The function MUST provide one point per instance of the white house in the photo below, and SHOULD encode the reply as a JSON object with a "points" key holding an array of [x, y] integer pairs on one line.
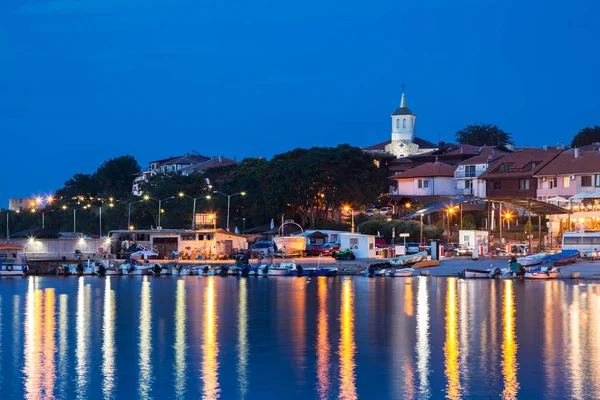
{"points": [[429, 179], [363, 246], [195, 243], [467, 174]]}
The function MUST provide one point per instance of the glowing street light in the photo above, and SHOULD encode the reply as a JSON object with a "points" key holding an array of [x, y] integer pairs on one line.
{"points": [[182, 195], [229, 196], [349, 209], [213, 217], [160, 210]]}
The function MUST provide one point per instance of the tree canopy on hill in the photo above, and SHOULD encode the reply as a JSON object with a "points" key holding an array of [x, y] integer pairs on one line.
{"points": [[586, 136], [483, 135]]}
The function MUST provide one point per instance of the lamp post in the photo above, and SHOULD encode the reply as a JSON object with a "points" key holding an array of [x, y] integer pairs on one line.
{"points": [[146, 197], [74, 216], [421, 228], [181, 194], [450, 212], [229, 196], [348, 209], [214, 219]]}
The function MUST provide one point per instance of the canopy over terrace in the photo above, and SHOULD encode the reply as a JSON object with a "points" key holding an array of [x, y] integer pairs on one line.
{"points": [[533, 206]]}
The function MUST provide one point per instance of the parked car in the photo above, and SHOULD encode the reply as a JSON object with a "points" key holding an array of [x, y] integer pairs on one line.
{"points": [[459, 249], [262, 247], [315, 250], [386, 210], [412, 248], [334, 246], [371, 211]]}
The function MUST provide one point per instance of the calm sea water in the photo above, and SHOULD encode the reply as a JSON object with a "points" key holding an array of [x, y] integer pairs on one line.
{"points": [[274, 338]]}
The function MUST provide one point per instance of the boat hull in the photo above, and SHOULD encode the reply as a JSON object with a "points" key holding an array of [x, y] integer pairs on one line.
{"points": [[470, 273], [534, 259], [12, 270], [273, 271], [401, 272]]}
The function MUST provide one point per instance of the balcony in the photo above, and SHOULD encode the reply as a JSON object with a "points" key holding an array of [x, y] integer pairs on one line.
{"points": [[465, 174]]}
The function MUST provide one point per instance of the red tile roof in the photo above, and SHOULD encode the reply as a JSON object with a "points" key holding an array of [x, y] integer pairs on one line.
{"points": [[519, 163], [427, 170], [588, 162], [482, 159], [380, 146], [215, 162]]}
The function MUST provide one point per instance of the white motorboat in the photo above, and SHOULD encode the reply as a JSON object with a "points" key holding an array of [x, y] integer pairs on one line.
{"points": [[471, 273], [11, 260], [408, 259], [542, 272], [533, 259], [283, 269], [400, 272], [76, 269]]}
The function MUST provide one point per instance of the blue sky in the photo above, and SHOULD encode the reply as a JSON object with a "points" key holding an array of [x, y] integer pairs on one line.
{"points": [[82, 81]]}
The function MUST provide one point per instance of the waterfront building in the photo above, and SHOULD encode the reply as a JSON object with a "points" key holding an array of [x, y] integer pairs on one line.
{"points": [[572, 180], [194, 244], [427, 182], [513, 174], [468, 172]]}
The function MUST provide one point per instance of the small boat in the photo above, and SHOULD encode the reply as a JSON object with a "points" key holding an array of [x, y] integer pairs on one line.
{"points": [[76, 269], [12, 261], [283, 269], [533, 259], [326, 271], [475, 273], [564, 257], [542, 272], [408, 259], [140, 269], [400, 272], [426, 263], [103, 268]]}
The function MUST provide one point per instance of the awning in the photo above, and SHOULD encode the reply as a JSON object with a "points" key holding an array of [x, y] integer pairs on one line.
{"points": [[585, 195], [535, 206]]}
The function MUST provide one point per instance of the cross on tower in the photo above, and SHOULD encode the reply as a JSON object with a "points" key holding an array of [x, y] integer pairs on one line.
{"points": [[403, 86]]}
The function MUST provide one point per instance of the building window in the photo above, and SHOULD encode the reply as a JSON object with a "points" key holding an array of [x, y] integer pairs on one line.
{"points": [[469, 184], [586, 180], [470, 171], [597, 180], [404, 124], [523, 184], [553, 182], [188, 237], [423, 183], [397, 124], [566, 182], [497, 185]]}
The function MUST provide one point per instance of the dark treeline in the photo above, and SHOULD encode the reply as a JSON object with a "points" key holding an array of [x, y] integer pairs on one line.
{"points": [[308, 185]]}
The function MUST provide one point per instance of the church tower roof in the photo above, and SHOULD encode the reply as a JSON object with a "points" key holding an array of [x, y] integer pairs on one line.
{"points": [[403, 109]]}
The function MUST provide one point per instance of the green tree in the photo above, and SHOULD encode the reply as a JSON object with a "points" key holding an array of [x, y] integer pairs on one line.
{"points": [[115, 176], [468, 222], [483, 135], [586, 136]]}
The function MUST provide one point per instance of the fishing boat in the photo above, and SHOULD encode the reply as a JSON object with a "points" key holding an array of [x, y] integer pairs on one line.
{"points": [[471, 273], [533, 259], [80, 269], [326, 271], [542, 272], [140, 269], [400, 272], [283, 269], [564, 257], [408, 259], [12, 262]]}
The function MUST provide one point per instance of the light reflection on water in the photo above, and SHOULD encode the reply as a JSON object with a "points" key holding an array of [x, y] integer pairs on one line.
{"points": [[347, 345], [349, 337], [323, 348], [423, 350], [242, 369], [145, 341], [509, 345], [108, 346], [180, 346], [210, 363], [451, 350]]}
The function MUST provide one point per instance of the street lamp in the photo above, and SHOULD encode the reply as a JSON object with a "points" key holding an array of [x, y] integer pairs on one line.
{"points": [[181, 194], [421, 228], [74, 215], [229, 196], [450, 212], [214, 219], [146, 197], [348, 209]]}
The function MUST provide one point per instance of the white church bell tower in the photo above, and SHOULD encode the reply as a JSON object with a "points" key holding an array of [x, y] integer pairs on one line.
{"points": [[403, 131]]}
